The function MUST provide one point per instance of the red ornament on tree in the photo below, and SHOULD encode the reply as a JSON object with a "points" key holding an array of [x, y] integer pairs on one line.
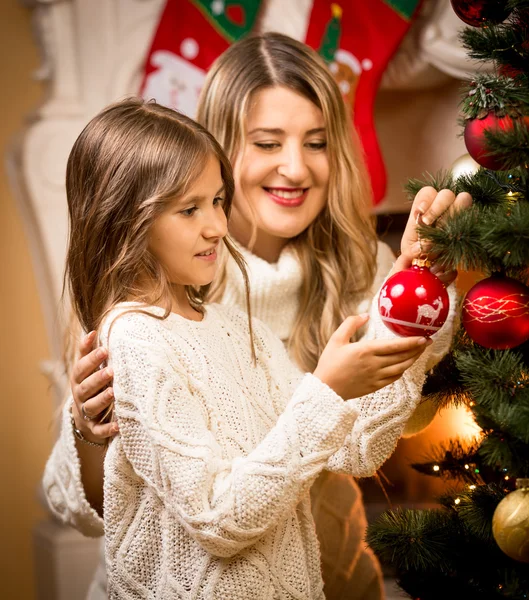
{"points": [[496, 313], [477, 12], [476, 142], [414, 302]]}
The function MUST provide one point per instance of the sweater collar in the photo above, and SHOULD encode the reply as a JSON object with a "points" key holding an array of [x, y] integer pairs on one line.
{"points": [[274, 288]]}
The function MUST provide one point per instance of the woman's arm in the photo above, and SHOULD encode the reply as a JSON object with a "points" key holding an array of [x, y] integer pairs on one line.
{"points": [[63, 483], [73, 479]]}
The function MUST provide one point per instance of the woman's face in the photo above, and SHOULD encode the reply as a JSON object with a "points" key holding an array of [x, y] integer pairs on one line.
{"points": [[282, 173]]}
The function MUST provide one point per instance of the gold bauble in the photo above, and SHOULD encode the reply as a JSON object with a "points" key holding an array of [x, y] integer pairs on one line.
{"points": [[510, 523], [464, 165]]}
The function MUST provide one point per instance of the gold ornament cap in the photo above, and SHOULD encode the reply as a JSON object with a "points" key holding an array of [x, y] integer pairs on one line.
{"points": [[422, 261], [522, 483]]}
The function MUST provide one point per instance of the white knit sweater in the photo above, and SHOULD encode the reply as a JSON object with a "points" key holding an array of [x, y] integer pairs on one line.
{"points": [[179, 495], [62, 480]]}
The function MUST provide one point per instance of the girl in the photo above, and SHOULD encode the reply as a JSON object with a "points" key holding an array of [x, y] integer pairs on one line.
{"points": [[221, 436], [301, 203]]}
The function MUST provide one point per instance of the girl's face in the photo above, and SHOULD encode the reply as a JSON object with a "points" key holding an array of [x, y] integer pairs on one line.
{"points": [[282, 173], [185, 237]]}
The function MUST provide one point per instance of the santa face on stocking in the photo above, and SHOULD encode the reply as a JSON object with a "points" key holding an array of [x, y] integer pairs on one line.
{"points": [[176, 83]]}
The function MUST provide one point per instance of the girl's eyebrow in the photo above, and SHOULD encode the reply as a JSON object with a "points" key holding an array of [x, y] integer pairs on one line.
{"points": [[197, 198], [277, 131]]}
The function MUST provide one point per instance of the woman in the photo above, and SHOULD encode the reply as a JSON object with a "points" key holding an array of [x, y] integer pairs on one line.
{"points": [[301, 219]]}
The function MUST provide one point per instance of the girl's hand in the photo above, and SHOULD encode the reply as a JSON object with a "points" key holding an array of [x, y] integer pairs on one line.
{"points": [[428, 207], [90, 392], [354, 369]]}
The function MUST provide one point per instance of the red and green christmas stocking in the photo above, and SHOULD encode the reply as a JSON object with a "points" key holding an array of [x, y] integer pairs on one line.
{"points": [[191, 34], [357, 40]]}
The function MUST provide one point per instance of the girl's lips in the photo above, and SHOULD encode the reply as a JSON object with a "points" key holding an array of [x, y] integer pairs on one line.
{"points": [[209, 257], [288, 202]]}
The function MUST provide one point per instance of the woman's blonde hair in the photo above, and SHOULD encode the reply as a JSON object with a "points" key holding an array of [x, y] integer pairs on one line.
{"points": [[338, 250], [128, 163]]}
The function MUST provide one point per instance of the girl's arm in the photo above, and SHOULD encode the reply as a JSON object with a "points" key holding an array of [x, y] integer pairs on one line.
{"points": [[225, 504], [384, 416]]}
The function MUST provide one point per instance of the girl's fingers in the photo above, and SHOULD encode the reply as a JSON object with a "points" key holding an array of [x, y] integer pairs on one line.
{"points": [[97, 404], [398, 345], [397, 370], [86, 365], [400, 357], [348, 328], [92, 385]]}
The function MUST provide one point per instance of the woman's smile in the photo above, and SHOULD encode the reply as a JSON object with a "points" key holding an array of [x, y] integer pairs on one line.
{"points": [[289, 197]]}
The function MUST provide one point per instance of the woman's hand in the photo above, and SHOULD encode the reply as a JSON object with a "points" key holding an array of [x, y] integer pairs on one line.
{"points": [[354, 369], [91, 392], [428, 207]]}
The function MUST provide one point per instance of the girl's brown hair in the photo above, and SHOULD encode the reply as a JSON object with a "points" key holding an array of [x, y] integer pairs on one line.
{"points": [[338, 250], [127, 164]]}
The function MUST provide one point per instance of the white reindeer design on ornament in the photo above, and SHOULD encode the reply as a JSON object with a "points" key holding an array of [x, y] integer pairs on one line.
{"points": [[385, 303], [429, 312]]}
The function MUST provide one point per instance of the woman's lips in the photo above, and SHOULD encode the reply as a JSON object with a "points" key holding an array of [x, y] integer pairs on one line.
{"points": [[292, 198]]}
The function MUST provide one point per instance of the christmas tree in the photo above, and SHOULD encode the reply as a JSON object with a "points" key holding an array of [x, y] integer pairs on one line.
{"points": [[476, 545]]}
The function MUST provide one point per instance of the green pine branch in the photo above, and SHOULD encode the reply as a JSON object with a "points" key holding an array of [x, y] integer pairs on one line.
{"points": [[453, 460], [487, 188], [503, 95], [443, 385], [476, 508], [414, 539], [458, 243], [512, 145], [503, 43], [450, 552], [504, 453], [494, 378]]}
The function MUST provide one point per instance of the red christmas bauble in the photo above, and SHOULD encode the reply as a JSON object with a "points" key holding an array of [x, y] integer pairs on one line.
{"points": [[477, 12], [476, 142], [496, 313], [413, 302]]}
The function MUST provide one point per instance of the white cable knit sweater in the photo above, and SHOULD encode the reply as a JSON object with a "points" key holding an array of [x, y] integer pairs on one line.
{"points": [[182, 515]]}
